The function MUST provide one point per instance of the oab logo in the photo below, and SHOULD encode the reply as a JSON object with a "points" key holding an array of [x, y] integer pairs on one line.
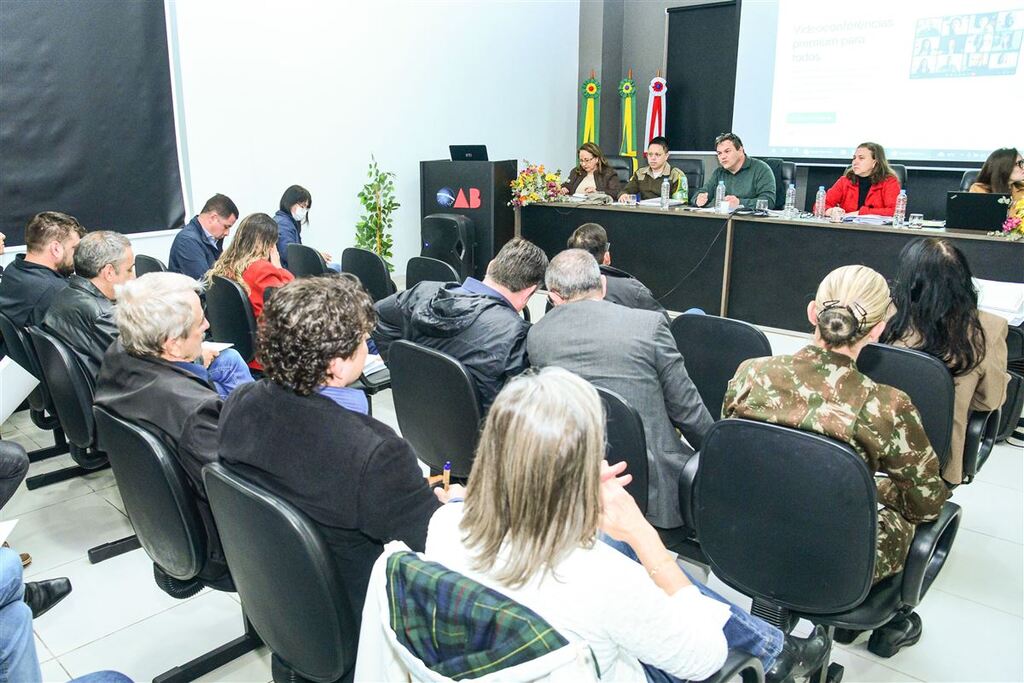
{"points": [[465, 199]]}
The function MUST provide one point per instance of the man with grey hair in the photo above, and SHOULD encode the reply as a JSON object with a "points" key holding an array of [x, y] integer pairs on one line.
{"points": [[631, 352], [82, 314]]}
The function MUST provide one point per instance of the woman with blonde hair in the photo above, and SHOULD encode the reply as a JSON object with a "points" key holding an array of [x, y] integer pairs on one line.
{"points": [[820, 389], [538, 500]]}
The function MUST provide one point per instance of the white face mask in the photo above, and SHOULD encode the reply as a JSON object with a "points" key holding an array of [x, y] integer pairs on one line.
{"points": [[299, 214]]}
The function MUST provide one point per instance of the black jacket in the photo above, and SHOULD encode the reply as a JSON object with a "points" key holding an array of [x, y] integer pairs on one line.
{"points": [[178, 408], [605, 179], [27, 289], [358, 480], [83, 318], [626, 290], [485, 333]]}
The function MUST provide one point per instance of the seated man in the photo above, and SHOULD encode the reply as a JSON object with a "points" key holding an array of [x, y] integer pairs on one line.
{"points": [[30, 283], [82, 314], [295, 434], [151, 378], [746, 179], [620, 287], [646, 182], [200, 242], [632, 353], [478, 323]]}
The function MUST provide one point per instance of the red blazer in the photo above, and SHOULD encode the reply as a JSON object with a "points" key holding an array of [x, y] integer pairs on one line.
{"points": [[260, 275], [881, 199]]}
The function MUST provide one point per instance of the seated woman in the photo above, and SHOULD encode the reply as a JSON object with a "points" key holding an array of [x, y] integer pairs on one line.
{"points": [[869, 186], [1003, 173], [293, 211], [252, 260], [538, 499], [937, 312], [820, 389], [593, 174], [296, 433]]}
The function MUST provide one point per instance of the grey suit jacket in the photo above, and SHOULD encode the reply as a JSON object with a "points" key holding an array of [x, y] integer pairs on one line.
{"points": [[632, 353]]}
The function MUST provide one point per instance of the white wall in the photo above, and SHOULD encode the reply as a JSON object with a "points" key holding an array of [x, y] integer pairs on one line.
{"points": [[276, 93]]}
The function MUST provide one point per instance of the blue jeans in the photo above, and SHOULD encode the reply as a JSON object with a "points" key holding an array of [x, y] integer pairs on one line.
{"points": [[18, 661], [228, 371], [743, 631]]}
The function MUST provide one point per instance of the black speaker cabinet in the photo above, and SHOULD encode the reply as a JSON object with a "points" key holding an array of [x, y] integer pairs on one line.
{"points": [[450, 237]]}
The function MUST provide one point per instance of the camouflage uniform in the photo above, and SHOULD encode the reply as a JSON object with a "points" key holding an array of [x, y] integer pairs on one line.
{"points": [[822, 391]]}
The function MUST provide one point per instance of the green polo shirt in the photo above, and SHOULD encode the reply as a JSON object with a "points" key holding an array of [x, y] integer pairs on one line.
{"points": [[753, 181]]}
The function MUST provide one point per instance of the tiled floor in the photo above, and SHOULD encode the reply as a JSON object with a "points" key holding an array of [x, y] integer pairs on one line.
{"points": [[117, 618]]}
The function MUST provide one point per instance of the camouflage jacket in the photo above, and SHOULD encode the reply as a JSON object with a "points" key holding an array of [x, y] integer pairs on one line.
{"points": [[822, 391]]}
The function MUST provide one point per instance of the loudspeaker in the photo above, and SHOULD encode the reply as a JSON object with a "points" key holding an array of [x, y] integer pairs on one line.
{"points": [[450, 237]]}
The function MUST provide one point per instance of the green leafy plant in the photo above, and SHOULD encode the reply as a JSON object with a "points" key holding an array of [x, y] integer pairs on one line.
{"points": [[373, 231]]}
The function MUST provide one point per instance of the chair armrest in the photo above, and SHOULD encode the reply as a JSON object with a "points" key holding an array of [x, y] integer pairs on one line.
{"points": [[747, 667], [982, 428], [687, 483], [928, 552]]}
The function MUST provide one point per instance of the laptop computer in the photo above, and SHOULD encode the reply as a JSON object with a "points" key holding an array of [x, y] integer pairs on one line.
{"points": [[976, 210], [468, 152]]}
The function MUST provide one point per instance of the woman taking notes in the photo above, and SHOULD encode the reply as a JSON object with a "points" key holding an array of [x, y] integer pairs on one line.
{"points": [[868, 187], [593, 174]]}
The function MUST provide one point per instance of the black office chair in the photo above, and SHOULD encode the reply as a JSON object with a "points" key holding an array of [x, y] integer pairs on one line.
{"points": [[371, 271], [625, 440], [72, 390], [788, 178], [713, 349], [40, 403], [901, 174], [437, 406], [287, 580], [147, 264], [789, 518], [305, 261], [162, 508], [775, 164], [694, 171], [426, 269], [623, 167], [968, 179], [231, 317]]}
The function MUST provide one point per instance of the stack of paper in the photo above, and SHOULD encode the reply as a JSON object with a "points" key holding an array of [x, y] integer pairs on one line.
{"points": [[1005, 299], [656, 201]]}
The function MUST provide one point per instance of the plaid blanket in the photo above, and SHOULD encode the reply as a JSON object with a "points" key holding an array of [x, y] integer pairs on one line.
{"points": [[457, 627]]}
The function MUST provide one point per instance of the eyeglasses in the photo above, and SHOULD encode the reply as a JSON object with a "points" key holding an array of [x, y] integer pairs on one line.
{"points": [[1019, 164]]}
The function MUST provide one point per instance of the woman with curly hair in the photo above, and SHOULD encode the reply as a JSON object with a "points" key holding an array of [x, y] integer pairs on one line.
{"points": [[294, 434]]}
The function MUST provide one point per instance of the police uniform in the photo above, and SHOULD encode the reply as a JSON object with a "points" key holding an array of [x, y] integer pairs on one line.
{"points": [[822, 391]]}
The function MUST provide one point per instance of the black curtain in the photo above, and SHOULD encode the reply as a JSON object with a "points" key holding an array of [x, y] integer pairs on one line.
{"points": [[86, 116], [701, 73]]}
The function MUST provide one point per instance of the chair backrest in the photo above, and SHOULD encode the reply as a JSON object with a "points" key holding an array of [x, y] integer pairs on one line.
{"points": [[305, 261], [969, 178], [786, 515], [775, 164], [147, 264], [20, 349], [436, 404], [231, 317], [371, 271], [713, 349], [925, 379], [625, 439], [623, 167], [901, 174], [286, 577], [788, 178], [426, 269], [694, 170], [70, 387], [156, 495]]}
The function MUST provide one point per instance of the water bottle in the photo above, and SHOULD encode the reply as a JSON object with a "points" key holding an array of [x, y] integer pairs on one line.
{"points": [[683, 191], [720, 197], [819, 202], [789, 211], [900, 213], [666, 189]]}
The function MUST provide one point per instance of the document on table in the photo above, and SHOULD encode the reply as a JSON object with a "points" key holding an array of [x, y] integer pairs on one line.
{"points": [[16, 383], [656, 201], [1005, 299]]}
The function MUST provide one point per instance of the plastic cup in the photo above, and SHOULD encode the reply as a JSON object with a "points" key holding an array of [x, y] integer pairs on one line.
{"points": [[837, 215], [916, 220], [761, 205]]}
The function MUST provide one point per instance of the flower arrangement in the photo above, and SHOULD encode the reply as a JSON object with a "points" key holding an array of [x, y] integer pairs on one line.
{"points": [[534, 184], [1013, 226]]}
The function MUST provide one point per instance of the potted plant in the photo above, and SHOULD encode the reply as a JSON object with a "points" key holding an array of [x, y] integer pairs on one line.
{"points": [[373, 231]]}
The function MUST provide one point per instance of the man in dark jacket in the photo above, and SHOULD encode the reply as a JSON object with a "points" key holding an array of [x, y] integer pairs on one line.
{"points": [[477, 323], [201, 241], [82, 314], [621, 287]]}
